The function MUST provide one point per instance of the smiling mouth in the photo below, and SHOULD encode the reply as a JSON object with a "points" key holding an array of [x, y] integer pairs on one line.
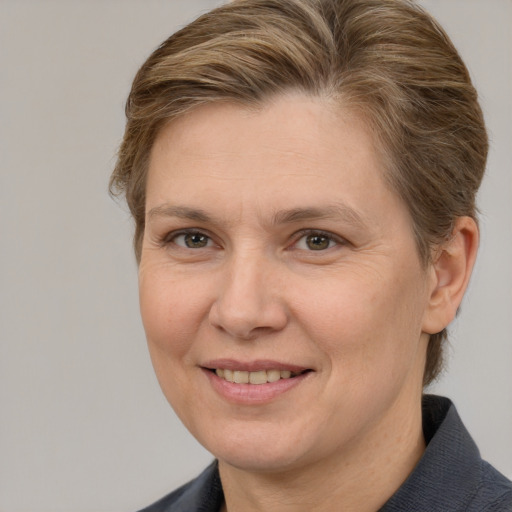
{"points": [[257, 377]]}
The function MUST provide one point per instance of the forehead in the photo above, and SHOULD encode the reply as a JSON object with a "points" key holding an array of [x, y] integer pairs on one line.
{"points": [[292, 151], [300, 131]]}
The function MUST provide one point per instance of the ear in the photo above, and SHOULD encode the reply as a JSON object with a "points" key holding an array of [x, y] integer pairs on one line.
{"points": [[450, 273]]}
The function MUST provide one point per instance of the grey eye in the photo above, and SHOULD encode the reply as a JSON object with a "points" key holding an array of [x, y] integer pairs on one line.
{"points": [[192, 240], [315, 242]]}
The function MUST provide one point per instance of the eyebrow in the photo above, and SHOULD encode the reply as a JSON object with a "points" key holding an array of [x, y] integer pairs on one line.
{"points": [[182, 212], [341, 212]]}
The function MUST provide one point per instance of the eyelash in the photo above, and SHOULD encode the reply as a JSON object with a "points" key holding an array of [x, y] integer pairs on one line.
{"points": [[296, 238]]}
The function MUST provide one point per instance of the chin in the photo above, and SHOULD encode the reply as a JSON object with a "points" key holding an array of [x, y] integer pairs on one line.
{"points": [[260, 448], [260, 461]]}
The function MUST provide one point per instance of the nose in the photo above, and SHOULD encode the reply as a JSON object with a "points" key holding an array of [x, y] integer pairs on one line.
{"points": [[248, 303]]}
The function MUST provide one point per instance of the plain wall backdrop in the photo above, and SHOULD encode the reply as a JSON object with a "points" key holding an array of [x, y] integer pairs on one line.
{"points": [[83, 424]]}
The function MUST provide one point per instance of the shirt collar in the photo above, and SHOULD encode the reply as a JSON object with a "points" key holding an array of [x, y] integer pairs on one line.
{"points": [[448, 472]]}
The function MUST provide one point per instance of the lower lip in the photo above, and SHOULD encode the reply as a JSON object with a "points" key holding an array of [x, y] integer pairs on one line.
{"points": [[253, 393]]}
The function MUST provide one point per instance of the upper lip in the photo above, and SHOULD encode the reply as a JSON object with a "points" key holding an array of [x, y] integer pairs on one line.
{"points": [[252, 366]]}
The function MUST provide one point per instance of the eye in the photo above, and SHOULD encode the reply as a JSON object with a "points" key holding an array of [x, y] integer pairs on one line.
{"points": [[192, 240], [316, 241]]}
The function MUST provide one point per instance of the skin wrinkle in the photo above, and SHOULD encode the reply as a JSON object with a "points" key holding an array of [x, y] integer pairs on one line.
{"points": [[352, 313], [336, 212]]}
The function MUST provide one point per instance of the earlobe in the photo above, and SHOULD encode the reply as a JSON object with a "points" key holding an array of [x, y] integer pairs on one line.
{"points": [[450, 274]]}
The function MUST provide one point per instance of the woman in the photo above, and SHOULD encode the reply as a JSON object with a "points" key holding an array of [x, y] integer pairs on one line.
{"points": [[302, 175]]}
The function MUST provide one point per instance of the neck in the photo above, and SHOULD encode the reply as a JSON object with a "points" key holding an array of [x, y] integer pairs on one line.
{"points": [[358, 478]]}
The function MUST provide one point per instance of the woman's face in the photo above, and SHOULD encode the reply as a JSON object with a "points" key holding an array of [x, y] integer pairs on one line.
{"points": [[275, 252]]}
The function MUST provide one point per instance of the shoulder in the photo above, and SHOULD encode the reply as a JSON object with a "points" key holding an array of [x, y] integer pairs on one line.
{"points": [[494, 492], [476, 485], [451, 475], [204, 494]]}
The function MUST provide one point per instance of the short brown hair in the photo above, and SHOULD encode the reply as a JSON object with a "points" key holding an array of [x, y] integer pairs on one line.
{"points": [[388, 59]]}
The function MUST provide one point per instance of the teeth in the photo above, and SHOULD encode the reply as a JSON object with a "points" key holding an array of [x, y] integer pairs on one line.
{"points": [[273, 375], [241, 377], [259, 377]]}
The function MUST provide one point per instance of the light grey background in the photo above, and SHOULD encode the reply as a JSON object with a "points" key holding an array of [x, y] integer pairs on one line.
{"points": [[83, 424]]}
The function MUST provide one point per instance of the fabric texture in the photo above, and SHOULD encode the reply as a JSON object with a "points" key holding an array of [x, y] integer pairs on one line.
{"points": [[450, 477]]}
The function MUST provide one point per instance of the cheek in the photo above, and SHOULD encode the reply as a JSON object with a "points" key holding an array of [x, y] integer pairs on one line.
{"points": [[171, 311], [367, 326], [171, 315]]}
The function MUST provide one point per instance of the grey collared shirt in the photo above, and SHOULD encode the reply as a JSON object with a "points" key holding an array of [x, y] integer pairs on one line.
{"points": [[450, 477]]}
